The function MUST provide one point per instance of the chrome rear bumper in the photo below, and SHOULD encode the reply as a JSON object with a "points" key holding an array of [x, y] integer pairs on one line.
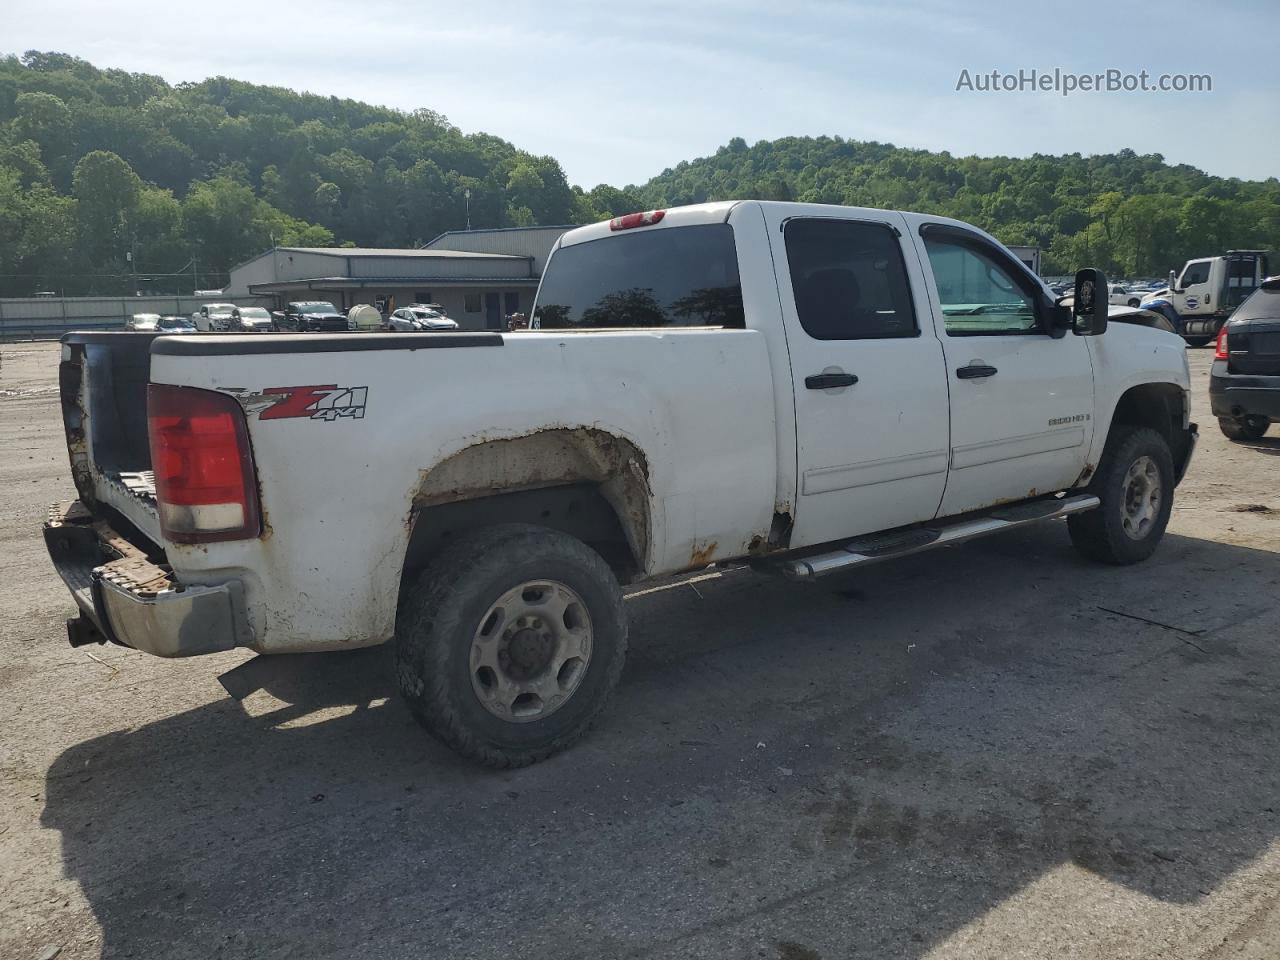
{"points": [[128, 599]]}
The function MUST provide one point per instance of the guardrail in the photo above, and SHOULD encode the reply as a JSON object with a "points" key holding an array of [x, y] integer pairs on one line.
{"points": [[48, 318], [17, 331]]}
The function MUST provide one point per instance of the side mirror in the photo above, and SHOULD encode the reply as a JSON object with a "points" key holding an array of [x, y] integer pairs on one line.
{"points": [[1173, 282], [1089, 311]]}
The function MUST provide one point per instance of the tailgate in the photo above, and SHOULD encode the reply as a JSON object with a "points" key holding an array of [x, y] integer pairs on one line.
{"points": [[1254, 347], [103, 385]]}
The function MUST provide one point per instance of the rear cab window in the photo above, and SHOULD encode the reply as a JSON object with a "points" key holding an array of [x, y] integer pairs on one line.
{"points": [[671, 277]]}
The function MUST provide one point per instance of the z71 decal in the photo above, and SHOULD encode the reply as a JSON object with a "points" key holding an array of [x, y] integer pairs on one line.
{"points": [[327, 402]]}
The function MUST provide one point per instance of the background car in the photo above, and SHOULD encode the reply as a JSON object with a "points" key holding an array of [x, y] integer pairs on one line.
{"points": [[213, 316], [420, 318], [176, 325], [302, 316], [250, 320], [142, 321], [1120, 297]]}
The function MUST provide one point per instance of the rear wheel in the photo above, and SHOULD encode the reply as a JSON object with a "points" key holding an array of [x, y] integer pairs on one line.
{"points": [[511, 642], [1243, 428], [1135, 484], [1198, 341]]}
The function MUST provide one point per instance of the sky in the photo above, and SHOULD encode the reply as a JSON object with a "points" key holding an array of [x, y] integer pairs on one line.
{"points": [[617, 92]]}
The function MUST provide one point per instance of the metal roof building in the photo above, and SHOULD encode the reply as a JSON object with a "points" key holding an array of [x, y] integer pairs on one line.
{"points": [[478, 276]]}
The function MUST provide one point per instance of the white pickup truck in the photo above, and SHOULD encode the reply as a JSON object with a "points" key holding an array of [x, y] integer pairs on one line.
{"points": [[806, 388]]}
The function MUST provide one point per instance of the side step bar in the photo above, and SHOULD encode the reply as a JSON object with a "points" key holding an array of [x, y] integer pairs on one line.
{"points": [[900, 544]]}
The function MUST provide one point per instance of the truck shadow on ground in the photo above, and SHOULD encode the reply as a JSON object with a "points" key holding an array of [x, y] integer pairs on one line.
{"points": [[1267, 445], [857, 767]]}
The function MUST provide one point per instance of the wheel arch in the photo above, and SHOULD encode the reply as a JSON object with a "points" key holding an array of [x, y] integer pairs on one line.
{"points": [[586, 482], [1160, 406]]}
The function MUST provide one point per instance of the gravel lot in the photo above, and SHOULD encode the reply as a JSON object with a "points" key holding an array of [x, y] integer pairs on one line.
{"points": [[996, 750]]}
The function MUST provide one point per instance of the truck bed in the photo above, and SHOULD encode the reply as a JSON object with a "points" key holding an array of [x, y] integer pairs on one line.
{"points": [[378, 428]]}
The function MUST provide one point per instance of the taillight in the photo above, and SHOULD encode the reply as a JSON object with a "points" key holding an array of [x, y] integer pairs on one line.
{"points": [[1220, 350], [203, 464], [646, 219]]}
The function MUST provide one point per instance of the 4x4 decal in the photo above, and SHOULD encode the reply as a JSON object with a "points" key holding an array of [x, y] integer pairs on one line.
{"points": [[327, 402]]}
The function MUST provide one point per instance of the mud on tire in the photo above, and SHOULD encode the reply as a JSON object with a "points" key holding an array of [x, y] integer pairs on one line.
{"points": [[451, 622], [1129, 525]]}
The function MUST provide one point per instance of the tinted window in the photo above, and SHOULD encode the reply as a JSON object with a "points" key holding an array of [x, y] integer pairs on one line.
{"points": [[674, 277], [1263, 304], [849, 280], [980, 295]]}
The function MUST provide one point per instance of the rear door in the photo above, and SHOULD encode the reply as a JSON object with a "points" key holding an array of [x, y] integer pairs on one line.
{"points": [[868, 373], [1021, 399]]}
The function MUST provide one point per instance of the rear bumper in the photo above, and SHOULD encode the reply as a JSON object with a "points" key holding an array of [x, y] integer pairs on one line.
{"points": [[1239, 395], [125, 598]]}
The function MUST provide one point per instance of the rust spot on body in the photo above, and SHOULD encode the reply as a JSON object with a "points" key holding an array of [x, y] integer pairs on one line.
{"points": [[701, 556]]}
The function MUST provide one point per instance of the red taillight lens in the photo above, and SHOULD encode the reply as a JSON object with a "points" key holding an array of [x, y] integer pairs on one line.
{"points": [[200, 453], [1220, 350], [646, 219]]}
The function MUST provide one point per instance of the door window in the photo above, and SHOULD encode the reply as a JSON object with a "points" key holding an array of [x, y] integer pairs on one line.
{"points": [[1195, 273], [849, 280], [980, 295]]}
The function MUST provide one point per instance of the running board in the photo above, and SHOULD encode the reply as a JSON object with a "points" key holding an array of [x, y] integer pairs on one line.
{"points": [[887, 546]]}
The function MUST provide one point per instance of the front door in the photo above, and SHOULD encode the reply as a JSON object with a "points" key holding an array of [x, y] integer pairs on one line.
{"points": [[1021, 400], [1196, 296], [492, 311], [867, 369]]}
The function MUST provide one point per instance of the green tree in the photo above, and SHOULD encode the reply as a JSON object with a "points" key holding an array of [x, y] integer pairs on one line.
{"points": [[107, 193]]}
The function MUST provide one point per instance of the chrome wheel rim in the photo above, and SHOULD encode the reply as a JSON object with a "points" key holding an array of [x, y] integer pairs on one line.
{"points": [[530, 651], [1142, 496]]}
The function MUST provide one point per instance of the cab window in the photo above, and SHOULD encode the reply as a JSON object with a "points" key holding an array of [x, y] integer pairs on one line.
{"points": [[665, 277], [980, 295]]}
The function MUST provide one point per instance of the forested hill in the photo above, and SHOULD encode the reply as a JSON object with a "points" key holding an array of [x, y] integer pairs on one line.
{"points": [[97, 164], [1133, 215], [94, 163]]}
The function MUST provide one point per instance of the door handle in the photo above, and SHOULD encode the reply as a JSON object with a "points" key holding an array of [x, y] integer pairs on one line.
{"points": [[975, 371], [825, 381]]}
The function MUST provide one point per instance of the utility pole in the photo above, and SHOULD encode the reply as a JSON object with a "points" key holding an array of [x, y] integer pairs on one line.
{"points": [[467, 194]]}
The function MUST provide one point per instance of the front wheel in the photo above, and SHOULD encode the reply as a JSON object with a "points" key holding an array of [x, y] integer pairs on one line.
{"points": [[1245, 428], [1135, 302], [509, 645], [1135, 484]]}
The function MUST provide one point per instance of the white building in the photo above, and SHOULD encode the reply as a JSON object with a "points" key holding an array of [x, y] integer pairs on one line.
{"points": [[478, 276]]}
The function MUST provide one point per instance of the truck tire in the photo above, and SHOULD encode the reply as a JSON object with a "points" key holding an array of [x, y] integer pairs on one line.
{"points": [[1135, 484], [1245, 428], [1135, 302], [510, 643], [1198, 341]]}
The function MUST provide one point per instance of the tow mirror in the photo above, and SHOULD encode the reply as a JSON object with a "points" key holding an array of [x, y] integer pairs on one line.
{"points": [[1173, 282], [1089, 311]]}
